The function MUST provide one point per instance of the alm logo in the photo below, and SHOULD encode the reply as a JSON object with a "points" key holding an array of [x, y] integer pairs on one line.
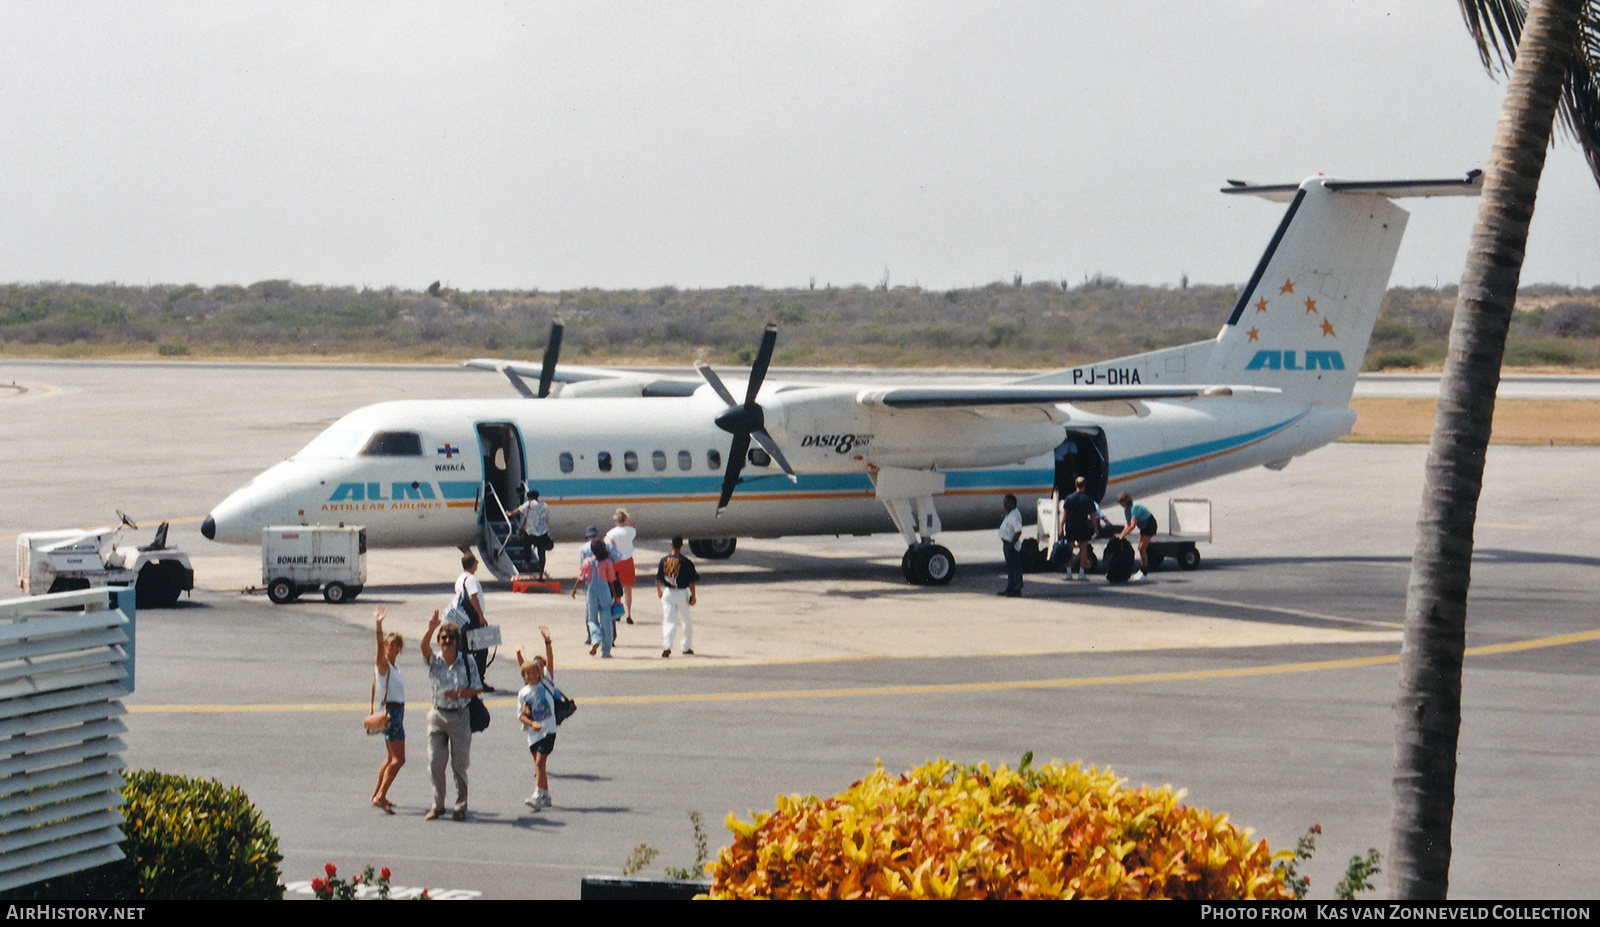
{"points": [[1287, 360]]}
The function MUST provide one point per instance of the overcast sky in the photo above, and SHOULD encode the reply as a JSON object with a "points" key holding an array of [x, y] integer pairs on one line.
{"points": [[704, 144]]}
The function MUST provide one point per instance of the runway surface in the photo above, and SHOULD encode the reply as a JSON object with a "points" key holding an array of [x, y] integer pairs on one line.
{"points": [[1261, 682]]}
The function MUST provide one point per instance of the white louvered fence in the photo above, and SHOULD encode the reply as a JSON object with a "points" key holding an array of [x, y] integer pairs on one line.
{"points": [[63, 675]]}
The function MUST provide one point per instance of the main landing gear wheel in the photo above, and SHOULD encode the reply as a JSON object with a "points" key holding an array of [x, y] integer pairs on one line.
{"points": [[713, 548], [930, 565]]}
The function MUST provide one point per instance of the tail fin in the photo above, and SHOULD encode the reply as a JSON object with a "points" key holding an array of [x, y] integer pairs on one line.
{"points": [[1303, 322]]}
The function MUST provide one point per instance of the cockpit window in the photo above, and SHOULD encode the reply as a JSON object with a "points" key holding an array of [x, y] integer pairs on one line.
{"points": [[335, 443], [393, 444]]}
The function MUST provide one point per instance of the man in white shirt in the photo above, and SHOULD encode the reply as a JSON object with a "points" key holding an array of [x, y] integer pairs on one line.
{"points": [[1011, 546], [533, 529], [468, 602], [620, 540]]}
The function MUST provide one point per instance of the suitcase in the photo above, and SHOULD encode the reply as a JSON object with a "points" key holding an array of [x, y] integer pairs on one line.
{"points": [[1120, 560]]}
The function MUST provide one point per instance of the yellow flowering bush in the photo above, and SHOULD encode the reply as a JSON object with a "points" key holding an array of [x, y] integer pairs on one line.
{"points": [[948, 831]]}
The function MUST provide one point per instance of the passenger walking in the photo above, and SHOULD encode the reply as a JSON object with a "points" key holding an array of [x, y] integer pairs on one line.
{"points": [[1011, 546], [594, 568], [532, 521], [620, 540], [537, 712], [466, 611], [455, 682], [1135, 515], [388, 684], [675, 587]]}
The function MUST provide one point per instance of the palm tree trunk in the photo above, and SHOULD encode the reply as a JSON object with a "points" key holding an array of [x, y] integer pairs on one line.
{"points": [[1429, 703]]}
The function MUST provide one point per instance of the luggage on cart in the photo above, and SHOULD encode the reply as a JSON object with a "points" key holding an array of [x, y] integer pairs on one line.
{"points": [[1120, 560]]}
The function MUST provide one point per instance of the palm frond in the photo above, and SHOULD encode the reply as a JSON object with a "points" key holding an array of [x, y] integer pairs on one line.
{"points": [[1580, 103], [1496, 27]]}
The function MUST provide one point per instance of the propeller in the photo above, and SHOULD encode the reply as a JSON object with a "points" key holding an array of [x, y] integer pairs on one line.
{"points": [[745, 421], [552, 351], [547, 372]]}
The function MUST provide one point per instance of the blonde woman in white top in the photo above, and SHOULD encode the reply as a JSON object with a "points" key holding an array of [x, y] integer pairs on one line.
{"points": [[388, 685]]}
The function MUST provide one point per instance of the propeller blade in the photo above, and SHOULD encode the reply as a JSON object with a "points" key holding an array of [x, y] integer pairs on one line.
{"points": [[552, 351], [716, 383], [771, 447], [758, 370], [730, 478]]}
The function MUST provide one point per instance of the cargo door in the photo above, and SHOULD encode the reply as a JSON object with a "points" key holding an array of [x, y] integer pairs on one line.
{"points": [[1082, 454]]}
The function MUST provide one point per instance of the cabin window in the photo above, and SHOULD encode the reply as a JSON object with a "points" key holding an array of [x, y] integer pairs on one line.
{"points": [[393, 444], [630, 462], [714, 460], [759, 458], [658, 459], [565, 460], [604, 460], [685, 460]]}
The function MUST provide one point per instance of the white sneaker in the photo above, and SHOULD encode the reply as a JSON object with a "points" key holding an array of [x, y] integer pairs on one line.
{"points": [[544, 800], [1138, 577], [1074, 576], [532, 801]]}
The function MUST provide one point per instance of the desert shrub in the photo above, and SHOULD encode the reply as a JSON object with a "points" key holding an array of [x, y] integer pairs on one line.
{"points": [[1389, 360], [949, 831]]}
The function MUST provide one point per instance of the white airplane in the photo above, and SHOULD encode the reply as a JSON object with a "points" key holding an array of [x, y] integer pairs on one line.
{"points": [[1275, 383]]}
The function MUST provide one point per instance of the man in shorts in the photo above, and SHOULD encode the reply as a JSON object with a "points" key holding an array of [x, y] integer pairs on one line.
{"points": [[1080, 520]]}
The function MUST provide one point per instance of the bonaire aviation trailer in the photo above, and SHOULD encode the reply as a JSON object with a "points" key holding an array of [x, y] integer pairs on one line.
{"points": [[296, 559]]}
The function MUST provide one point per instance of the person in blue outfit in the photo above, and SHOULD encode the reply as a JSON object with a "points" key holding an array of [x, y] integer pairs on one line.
{"points": [[594, 568], [1137, 516]]}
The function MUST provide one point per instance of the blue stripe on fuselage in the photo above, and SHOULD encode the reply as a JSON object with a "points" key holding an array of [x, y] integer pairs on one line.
{"points": [[1177, 457]]}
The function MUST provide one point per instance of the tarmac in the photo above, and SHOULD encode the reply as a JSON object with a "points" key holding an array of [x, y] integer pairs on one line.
{"points": [[1262, 682]]}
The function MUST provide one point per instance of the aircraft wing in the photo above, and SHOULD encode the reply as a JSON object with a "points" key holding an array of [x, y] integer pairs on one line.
{"points": [[628, 383], [957, 397]]}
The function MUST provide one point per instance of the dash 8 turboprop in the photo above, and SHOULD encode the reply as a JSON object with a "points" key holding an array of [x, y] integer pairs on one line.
{"points": [[807, 459]]}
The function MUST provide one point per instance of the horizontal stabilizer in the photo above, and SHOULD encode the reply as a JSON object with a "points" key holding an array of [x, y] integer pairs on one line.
{"points": [[1394, 189]]}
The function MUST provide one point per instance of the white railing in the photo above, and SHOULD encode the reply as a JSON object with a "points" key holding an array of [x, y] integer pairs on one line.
{"points": [[63, 674]]}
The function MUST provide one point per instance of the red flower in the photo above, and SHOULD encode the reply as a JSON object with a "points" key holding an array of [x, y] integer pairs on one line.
{"points": [[330, 870], [384, 875], [318, 885]]}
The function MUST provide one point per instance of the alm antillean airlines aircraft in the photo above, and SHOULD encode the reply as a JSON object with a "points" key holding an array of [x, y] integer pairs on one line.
{"points": [[807, 459]]}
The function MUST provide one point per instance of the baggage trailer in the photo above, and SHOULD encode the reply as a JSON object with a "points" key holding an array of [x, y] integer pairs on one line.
{"points": [[1188, 522], [297, 559]]}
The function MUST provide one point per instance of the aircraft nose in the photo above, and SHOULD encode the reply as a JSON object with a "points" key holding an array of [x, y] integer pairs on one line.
{"points": [[208, 528]]}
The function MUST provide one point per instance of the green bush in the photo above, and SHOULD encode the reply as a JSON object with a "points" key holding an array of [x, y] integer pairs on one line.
{"points": [[184, 840]]}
